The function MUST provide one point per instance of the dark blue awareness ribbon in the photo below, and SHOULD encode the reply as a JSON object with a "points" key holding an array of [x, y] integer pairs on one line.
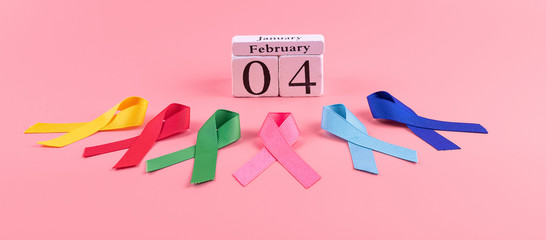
{"points": [[385, 106]]}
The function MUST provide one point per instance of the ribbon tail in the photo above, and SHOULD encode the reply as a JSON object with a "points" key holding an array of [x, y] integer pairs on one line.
{"points": [[386, 148], [206, 152], [254, 167], [143, 143], [135, 154], [109, 147], [299, 169], [363, 158], [204, 169], [170, 159], [433, 138], [53, 127], [428, 123]]}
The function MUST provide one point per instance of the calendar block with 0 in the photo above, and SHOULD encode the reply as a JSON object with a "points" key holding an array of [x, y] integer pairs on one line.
{"points": [[254, 76]]}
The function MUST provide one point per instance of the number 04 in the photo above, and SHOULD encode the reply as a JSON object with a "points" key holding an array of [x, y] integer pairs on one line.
{"points": [[267, 78]]}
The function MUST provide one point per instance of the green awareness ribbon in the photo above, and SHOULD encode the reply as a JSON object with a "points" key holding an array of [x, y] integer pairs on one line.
{"points": [[220, 130]]}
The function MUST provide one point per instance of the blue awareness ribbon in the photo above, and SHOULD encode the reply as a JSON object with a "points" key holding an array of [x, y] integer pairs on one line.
{"points": [[338, 120], [385, 106]]}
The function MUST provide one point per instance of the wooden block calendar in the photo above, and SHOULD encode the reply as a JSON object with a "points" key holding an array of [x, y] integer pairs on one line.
{"points": [[277, 65]]}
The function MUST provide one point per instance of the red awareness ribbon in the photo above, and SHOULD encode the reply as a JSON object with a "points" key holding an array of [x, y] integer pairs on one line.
{"points": [[174, 119], [279, 131]]}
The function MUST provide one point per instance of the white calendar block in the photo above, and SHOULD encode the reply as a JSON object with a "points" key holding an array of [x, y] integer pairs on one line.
{"points": [[300, 75], [255, 76], [277, 65], [278, 45]]}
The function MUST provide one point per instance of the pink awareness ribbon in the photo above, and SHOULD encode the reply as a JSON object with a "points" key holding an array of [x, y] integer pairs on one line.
{"points": [[279, 131]]}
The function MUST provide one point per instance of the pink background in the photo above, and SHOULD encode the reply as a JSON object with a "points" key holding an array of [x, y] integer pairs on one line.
{"points": [[472, 61]]}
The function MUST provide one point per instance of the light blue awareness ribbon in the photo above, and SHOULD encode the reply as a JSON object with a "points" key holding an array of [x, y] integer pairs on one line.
{"points": [[338, 120]]}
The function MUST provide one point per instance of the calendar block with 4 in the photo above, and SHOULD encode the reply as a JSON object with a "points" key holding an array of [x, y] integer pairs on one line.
{"points": [[298, 70], [300, 75]]}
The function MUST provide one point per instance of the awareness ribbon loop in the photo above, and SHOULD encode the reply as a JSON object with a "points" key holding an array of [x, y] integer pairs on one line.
{"points": [[338, 120], [279, 131], [128, 113], [174, 119], [385, 106], [220, 130]]}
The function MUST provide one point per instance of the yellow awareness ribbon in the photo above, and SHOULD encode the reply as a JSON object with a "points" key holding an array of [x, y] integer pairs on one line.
{"points": [[128, 113]]}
